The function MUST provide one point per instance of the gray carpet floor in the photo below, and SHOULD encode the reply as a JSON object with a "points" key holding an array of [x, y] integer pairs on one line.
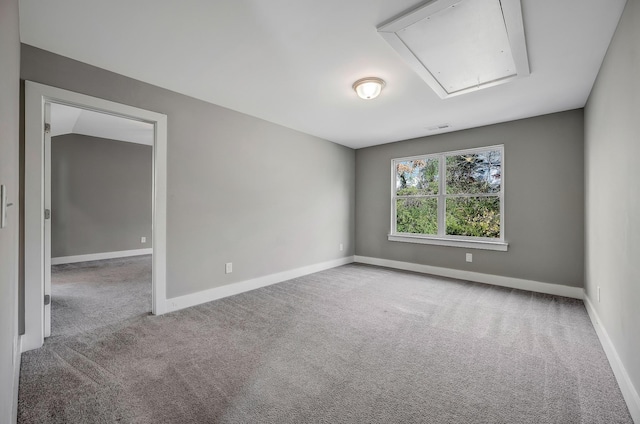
{"points": [[90, 295], [354, 344]]}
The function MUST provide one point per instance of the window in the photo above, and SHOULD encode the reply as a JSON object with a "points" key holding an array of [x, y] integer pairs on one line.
{"points": [[451, 199]]}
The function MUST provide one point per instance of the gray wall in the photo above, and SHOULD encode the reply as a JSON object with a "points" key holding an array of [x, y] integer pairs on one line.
{"points": [[101, 195], [9, 96], [544, 215], [612, 149], [240, 189]]}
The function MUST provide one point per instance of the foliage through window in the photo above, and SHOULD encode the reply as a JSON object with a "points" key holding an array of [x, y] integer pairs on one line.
{"points": [[455, 195]]}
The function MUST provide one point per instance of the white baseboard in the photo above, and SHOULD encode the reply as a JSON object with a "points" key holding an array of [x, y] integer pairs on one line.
{"points": [[629, 392], [496, 280], [205, 296], [17, 357], [100, 256]]}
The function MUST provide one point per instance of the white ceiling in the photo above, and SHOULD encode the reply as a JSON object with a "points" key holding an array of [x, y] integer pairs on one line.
{"points": [[293, 62], [73, 120]]}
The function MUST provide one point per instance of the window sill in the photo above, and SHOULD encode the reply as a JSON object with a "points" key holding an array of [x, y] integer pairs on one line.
{"points": [[438, 241]]}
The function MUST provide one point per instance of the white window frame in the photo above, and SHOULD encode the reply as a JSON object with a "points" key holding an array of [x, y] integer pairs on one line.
{"points": [[442, 239]]}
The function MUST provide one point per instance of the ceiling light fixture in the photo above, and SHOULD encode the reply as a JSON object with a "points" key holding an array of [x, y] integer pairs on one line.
{"points": [[368, 88]]}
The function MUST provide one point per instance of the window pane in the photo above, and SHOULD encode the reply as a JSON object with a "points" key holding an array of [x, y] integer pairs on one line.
{"points": [[473, 216], [479, 172], [416, 177], [417, 216]]}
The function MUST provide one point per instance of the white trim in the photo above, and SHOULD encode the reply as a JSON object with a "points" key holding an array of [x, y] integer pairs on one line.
{"points": [[47, 222], [452, 153], [467, 244], [159, 240], [216, 293], [17, 359], [100, 256], [496, 280], [512, 14], [443, 239], [629, 392], [33, 219], [36, 96]]}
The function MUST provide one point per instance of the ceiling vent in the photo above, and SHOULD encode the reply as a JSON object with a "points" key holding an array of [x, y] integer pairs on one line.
{"points": [[460, 46], [439, 127]]}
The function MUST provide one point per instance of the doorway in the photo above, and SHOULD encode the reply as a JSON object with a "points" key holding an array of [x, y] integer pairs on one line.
{"points": [[101, 208], [39, 100]]}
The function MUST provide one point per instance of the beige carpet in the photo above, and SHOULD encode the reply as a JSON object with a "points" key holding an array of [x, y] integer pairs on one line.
{"points": [[355, 344]]}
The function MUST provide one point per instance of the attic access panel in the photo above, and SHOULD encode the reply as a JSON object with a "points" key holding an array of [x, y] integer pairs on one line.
{"points": [[459, 46]]}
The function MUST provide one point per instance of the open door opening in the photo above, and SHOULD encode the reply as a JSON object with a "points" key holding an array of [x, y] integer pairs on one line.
{"points": [[98, 219], [40, 102]]}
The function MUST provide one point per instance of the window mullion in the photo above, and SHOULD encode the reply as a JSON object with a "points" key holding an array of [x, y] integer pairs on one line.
{"points": [[496, 194], [394, 211], [441, 196]]}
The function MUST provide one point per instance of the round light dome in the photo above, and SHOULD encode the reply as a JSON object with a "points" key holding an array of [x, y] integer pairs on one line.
{"points": [[368, 88]]}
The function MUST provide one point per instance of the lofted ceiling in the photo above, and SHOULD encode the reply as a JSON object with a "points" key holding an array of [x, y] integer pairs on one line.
{"points": [[292, 62], [72, 120]]}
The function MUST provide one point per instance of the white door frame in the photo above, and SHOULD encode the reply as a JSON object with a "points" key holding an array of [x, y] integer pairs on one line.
{"points": [[36, 96]]}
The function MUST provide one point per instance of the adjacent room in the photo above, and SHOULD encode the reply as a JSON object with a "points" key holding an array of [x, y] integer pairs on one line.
{"points": [[101, 176], [389, 211]]}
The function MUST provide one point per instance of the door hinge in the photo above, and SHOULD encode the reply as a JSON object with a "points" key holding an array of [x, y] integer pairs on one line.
{"points": [[47, 299], [47, 128], [47, 213]]}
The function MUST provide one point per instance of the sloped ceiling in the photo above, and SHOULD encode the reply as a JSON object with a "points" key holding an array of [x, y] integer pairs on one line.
{"points": [[72, 120]]}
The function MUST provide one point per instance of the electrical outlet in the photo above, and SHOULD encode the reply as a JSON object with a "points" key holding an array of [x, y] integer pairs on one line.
{"points": [[228, 268], [341, 247], [143, 239], [469, 257], [598, 293]]}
